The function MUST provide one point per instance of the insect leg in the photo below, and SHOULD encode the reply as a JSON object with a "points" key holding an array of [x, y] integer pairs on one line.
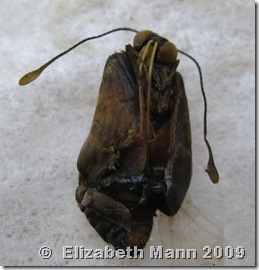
{"points": [[110, 218]]}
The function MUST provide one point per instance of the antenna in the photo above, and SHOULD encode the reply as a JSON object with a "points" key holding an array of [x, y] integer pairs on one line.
{"points": [[211, 167], [31, 76]]}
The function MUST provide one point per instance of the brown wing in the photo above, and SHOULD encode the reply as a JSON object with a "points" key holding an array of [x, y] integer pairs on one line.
{"points": [[172, 150], [116, 144]]}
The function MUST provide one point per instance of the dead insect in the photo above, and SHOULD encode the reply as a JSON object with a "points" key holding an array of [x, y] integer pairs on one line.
{"points": [[137, 157]]}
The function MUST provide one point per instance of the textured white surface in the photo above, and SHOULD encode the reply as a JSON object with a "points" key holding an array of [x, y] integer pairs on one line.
{"points": [[44, 125]]}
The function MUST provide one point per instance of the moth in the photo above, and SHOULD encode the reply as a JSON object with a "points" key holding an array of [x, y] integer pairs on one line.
{"points": [[137, 158]]}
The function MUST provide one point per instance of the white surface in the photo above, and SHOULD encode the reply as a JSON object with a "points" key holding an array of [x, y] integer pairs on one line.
{"points": [[44, 125]]}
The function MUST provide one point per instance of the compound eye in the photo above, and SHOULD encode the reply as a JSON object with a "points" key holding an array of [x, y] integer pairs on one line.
{"points": [[167, 53], [140, 38]]}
